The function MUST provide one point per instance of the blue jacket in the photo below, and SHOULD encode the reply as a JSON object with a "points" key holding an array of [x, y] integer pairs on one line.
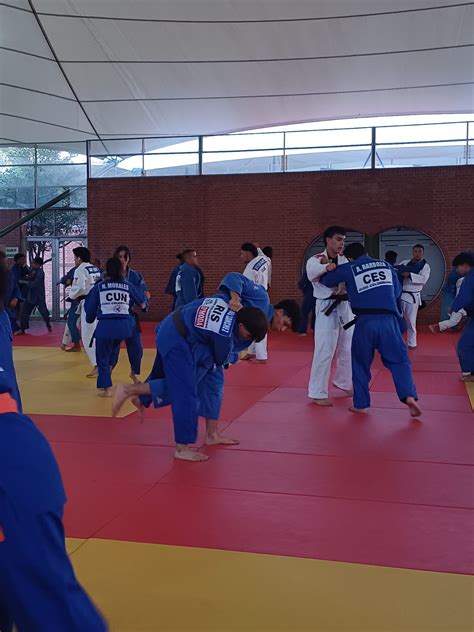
{"points": [[8, 375], [188, 285], [210, 323], [171, 285], [371, 284], [36, 289], [449, 288], [251, 294], [111, 302], [135, 278], [465, 298], [21, 273], [13, 289]]}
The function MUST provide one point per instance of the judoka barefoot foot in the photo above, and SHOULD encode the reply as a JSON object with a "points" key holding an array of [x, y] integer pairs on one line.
{"points": [[218, 439], [122, 393], [359, 411], [415, 410], [185, 453], [467, 378], [322, 402], [347, 391], [93, 373], [134, 378], [140, 408], [105, 392], [253, 360], [433, 328], [74, 349]]}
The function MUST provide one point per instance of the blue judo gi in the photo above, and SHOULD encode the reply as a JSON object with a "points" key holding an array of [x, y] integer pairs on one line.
{"points": [[111, 303], [251, 295], [38, 589], [188, 285], [171, 285], [465, 300], [13, 292], [373, 289], [6, 356], [193, 344], [134, 344]]}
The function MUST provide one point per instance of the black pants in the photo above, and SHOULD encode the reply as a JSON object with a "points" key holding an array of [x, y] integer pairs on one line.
{"points": [[26, 310]]}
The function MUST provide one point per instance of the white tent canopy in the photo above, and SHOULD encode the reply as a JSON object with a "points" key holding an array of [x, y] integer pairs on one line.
{"points": [[103, 69]]}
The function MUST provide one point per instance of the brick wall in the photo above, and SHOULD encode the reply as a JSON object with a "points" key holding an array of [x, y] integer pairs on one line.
{"points": [[7, 217], [157, 217]]}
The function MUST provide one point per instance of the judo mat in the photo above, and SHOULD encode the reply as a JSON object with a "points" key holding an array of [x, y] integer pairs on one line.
{"points": [[319, 520]]}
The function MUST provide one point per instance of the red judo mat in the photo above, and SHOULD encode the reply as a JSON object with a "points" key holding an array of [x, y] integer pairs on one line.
{"points": [[304, 481]]}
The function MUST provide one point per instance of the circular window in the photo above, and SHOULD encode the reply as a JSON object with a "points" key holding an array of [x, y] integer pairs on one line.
{"points": [[402, 240]]}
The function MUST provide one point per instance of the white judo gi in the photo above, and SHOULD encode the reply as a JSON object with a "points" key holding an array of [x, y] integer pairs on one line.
{"points": [[85, 277], [411, 299], [330, 338], [257, 271], [455, 317]]}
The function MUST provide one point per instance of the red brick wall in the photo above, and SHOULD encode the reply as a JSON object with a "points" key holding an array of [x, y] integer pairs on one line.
{"points": [[7, 217], [157, 217]]}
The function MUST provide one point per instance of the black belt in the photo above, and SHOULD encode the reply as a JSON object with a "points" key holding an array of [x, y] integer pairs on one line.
{"points": [[368, 311], [178, 323], [412, 294], [336, 300]]}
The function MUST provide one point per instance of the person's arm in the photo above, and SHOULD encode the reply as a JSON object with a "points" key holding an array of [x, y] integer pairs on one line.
{"points": [[221, 348], [78, 287], [36, 280], [397, 286], [315, 269], [333, 278], [91, 304], [234, 283], [422, 277], [138, 297], [465, 296]]}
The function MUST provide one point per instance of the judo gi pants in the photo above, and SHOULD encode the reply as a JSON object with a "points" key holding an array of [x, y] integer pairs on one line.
{"points": [[27, 309], [466, 348], [259, 349], [87, 335], [330, 339], [381, 333], [135, 351], [187, 380], [71, 332], [410, 313]]}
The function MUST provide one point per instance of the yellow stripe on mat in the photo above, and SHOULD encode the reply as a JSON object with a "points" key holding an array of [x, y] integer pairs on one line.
{"points": [[156, 588]]}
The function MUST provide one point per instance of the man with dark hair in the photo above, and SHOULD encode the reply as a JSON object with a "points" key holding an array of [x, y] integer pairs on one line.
{"points": [[256, 269], [36, 297], [391, 257], [373, 290], [238, 291], [38, 587], [86, 276], [332, 311], [415, 273], [463, 264], [189, 279], [193, 344]]}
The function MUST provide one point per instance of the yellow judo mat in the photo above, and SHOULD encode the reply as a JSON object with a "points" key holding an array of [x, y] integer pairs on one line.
{"points": [[156, 588], [53, 382]]}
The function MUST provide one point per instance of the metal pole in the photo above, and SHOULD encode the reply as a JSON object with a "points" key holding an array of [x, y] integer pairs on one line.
{"points": [[467, 142], [143, 157], [200, 149], [32, 214], [374, 145]]}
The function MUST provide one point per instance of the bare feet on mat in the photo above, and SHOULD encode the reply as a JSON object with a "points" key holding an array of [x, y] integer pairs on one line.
{"points": [[467, 378], [218, 439], [185, 453], [433, 328], [253, 360], [415, 410], [347, 391], [120, 397], [104, 392], [93, 373], [322, 402], [359, 411], [134, 378], [74, 349]]}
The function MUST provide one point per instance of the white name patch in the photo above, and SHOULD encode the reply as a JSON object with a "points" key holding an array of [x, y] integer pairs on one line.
{"points": [[214, 315], [370, 276], [115, 302]]}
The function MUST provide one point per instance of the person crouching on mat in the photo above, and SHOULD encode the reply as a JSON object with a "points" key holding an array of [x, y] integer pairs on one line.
{"points": [[38, 587], [111, 303], [193, 344]]}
